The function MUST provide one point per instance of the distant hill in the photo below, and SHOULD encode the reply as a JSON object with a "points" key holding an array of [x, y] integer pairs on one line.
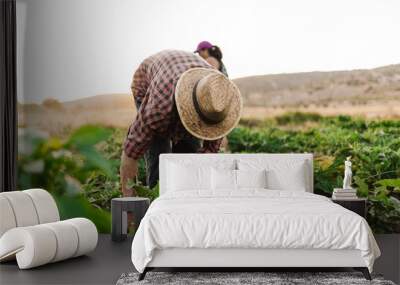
{"points": [[369, 93], [114, 110], [102, 102], [356, 87]]}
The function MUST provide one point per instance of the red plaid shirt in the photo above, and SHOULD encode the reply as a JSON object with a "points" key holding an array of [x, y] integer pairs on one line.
{"points": [[153, 85]]}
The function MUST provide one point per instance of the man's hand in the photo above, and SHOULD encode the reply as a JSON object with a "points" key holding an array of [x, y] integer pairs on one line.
{"points": [[128, 170]]}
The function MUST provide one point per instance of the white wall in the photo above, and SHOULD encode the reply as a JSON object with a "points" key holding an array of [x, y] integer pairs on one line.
{"points": [[70, 49]]}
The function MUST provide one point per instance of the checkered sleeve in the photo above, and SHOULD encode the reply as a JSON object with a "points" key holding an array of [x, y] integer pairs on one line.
{"points": [[211, 146], [140, 81], [153, 118]]}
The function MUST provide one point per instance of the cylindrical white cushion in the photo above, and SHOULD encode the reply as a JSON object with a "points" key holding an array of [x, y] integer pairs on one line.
{"points": [[87, 234], [67, 240], [26, 208], [7, 218], [33, 246], [23, 208], [41, 244], [46, 207]]}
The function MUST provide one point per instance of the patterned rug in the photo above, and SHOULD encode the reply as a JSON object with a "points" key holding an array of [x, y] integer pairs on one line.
{"points": [[243, 278]]}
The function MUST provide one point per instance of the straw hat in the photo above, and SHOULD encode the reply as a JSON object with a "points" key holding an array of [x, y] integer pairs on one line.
{"points": [[208, 103]]}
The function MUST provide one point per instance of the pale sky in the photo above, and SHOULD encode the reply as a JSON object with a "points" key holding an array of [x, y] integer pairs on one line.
{"points": [[69, 49]]}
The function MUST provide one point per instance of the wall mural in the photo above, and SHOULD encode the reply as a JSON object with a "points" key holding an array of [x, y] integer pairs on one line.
{"points": [[75, 107]]}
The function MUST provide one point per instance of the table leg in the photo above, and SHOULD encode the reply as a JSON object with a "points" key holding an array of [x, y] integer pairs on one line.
{"points": [[124, 221], [139, 212], [116, 223]]}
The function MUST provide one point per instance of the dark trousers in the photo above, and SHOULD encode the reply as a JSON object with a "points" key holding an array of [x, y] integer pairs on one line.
{"points": [[161, 145]]}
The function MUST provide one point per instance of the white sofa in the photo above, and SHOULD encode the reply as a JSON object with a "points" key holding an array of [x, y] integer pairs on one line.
{"points": [[31, 231]]}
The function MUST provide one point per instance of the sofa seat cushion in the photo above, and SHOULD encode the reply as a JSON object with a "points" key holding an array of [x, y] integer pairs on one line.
{"points": [[40, 244]]}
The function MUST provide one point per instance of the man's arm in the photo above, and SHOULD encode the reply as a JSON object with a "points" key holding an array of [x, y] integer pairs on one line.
{"points": [[136, 143], [129, 165], [128, 170], [149, 121], [140, 82]]}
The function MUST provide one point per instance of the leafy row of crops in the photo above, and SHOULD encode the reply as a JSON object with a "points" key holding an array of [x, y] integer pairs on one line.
{"points": [[374, 147], [81, 170]]}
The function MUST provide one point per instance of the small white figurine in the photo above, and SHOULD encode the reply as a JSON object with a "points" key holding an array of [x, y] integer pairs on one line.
{"points": [[347, 174]]}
